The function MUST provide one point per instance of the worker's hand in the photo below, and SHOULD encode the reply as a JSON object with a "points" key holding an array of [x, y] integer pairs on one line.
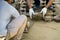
{"points": [[44, 10], [31, 12]]}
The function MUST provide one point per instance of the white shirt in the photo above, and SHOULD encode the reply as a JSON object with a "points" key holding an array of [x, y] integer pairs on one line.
{"points": [[6, 11]]}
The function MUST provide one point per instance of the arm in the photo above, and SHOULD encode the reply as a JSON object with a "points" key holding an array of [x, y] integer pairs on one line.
{"points": [[21, 1], [14, 12], [44, 10], [31, 11], [49, 3], [29, 3]]}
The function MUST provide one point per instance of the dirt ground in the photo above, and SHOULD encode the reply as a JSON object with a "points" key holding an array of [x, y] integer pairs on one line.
{"points": [[41, 30]]}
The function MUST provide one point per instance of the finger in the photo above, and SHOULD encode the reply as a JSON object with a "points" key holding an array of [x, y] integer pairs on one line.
{"points": [[33, 13], [44, 14], [41, 12]]}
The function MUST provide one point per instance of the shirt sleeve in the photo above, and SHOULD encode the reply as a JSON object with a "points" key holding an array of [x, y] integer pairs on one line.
{"points": [[15, 13]]}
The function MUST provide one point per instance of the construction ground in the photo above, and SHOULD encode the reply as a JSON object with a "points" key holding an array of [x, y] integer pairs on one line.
{"points": [[41, 30]]}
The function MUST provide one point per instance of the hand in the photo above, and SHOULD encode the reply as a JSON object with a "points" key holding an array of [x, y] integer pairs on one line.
{"points": [[44, 10], [31, 12]]}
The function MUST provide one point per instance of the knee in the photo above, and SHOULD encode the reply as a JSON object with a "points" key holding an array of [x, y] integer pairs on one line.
{"points": [[24, 17]]}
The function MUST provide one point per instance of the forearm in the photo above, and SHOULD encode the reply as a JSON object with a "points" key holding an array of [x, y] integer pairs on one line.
{"points": [[49, 3], [29, 3]]}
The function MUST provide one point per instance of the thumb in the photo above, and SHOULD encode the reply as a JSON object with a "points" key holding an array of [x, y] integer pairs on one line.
{"points": [[41, 11]]}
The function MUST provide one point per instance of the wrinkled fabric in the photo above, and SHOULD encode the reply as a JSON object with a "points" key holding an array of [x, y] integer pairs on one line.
{"points": [[1, 0], [17, 25], [6, 11]]}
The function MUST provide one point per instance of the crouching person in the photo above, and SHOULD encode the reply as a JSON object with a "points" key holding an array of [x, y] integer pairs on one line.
{"points": [[11, 29]]}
